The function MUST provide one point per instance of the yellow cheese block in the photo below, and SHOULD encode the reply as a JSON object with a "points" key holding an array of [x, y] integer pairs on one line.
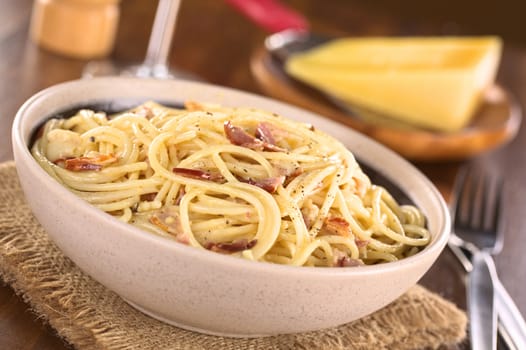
{"points": [[434, 82]]}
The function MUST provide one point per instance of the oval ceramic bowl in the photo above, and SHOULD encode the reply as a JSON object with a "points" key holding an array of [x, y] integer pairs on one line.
{"points": [[200, 290]]}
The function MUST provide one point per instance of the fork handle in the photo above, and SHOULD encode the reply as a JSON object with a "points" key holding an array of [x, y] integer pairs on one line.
{"points": [[481, 302], [510, 316]]}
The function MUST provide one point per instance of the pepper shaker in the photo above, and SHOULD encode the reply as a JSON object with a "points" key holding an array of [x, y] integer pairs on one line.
{"points": [[76, 28]]}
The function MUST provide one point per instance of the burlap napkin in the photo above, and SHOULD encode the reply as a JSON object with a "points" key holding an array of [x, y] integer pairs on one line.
{"points": [[89, 316]]}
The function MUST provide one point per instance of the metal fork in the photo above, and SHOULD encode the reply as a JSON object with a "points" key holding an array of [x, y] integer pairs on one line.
{"points": [[476, 221], [476, 206]]}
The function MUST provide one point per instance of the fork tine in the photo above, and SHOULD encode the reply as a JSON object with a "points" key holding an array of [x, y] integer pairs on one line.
{"points": [[485, 202], [496, 217], [475, 207], [462, 194], [488, 201]]}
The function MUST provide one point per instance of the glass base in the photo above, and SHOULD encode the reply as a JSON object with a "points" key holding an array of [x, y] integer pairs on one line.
{"points": [[106, 68]]}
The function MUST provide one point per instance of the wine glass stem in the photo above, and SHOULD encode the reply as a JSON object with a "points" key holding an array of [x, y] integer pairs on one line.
{"points": [[162, 33]]}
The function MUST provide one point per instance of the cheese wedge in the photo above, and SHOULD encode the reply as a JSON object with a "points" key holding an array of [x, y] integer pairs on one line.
{"points": [[435, 83]]}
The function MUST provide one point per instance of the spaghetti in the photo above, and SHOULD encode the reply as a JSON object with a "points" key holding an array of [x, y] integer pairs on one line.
{"points": [[236, 181]]}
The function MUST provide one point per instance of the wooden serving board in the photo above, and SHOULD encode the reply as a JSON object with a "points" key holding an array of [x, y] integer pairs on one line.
{"points": [[495, 123]]}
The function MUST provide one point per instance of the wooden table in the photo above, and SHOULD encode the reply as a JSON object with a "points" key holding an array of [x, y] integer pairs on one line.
{"points": [[216, 43]]}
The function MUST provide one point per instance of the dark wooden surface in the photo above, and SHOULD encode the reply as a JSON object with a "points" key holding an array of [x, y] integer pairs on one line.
{"points": [[216, 43]]}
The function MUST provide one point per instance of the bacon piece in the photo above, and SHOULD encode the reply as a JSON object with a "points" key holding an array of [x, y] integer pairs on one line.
{"points": [[273, 148], [289, 170], [239, 137], [336, 226], [193, 106], [235, 246], [198, 174], [345, 261], [294, 174], [360, 188], [148, 196], [180, 195], [361, 243], [341, 259], [168, 220], [81, 164], [87, 163], [309, 212], [296, 171], [269, 184], [264, 133], [277, 133], [144, 111]]}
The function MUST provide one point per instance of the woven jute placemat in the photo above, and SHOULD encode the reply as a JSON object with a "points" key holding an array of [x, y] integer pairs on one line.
{"points": [[89, 316]]}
